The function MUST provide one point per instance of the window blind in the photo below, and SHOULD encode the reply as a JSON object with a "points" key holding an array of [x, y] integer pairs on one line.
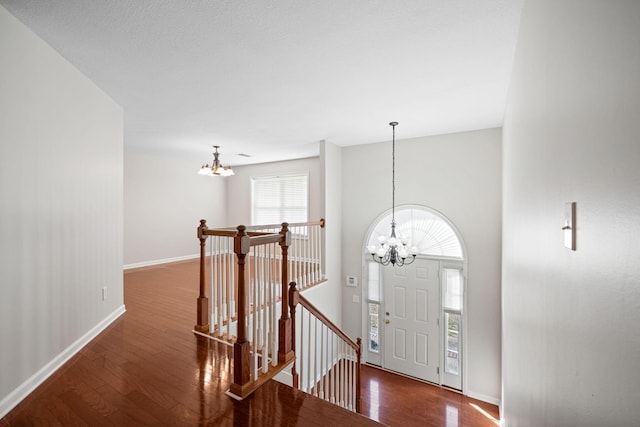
{"points": [[277, 199]]}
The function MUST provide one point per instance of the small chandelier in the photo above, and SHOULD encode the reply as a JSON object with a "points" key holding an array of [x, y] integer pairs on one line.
{"points": [[393, 249], [216, 169]]}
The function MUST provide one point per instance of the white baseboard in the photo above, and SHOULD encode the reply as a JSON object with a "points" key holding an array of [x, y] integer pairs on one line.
{"points": [[159, 261], [484, 398], [17, 395]]}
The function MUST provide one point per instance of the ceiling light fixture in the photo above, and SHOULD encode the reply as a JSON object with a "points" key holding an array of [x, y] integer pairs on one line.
{"points": [[216, 169], [393, 250]]}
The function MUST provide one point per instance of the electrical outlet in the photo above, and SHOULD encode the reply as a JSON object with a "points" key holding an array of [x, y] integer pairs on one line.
{"points": [[104, 293]]}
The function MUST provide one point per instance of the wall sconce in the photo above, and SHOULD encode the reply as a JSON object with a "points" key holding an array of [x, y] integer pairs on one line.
{"points": [[569, 225]]}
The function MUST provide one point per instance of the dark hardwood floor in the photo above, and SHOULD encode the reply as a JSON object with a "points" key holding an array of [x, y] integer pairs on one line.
{"points": [[147, 368], [396, 400]]}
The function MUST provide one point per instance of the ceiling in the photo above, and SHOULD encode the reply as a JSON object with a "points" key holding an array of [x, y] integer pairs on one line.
{"points": [[272, 78]]}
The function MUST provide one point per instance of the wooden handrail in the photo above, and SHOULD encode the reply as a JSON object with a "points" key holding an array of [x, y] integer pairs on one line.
{"points": [[220, 232], [320, 222], [231, 231], [226, 232], [264, 239], [295, 298]]}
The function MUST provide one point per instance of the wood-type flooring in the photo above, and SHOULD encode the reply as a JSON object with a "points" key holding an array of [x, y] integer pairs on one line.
{"points": [[148, 368]]}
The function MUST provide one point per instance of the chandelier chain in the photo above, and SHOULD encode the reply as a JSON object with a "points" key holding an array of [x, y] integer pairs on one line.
{"points": [[393, 175], [393, 250]]}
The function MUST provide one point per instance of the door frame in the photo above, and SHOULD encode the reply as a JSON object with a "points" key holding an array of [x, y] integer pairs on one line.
{"points": [[444, 262]]}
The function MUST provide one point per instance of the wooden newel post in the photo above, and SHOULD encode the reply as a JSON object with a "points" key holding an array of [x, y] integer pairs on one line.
{"points": [[358, 373], [202, 321], [241, 348], [293, 302], [285, 324]]}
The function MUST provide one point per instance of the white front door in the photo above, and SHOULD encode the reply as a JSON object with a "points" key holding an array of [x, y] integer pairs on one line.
{"points": [[410, 319]]}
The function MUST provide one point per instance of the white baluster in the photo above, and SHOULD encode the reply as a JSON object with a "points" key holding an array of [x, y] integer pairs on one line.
{"points": [[303, 257], [342, 375], [232, 278], [309, 358], [292, 258], [350, 380], [252, 275], [265, 308], [333, 369], [274, 301], [315, 356], [354, 366], [312, 254], [307, 259], [212, 291], [225, 286], [218, 296], [300, 348], [299, 277], [318, 257], [322, 328]]}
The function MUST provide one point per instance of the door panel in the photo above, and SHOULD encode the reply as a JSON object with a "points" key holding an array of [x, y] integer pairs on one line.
{"points": [[422, 349], [399, 344], [411, 333], [422, 306], [399, 302]]}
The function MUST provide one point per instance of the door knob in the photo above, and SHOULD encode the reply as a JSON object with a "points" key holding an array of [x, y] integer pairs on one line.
{"points": [[387, 321]]}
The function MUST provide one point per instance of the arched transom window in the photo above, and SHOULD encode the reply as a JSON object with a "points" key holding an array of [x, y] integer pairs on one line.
{"points": [[426, 229]]}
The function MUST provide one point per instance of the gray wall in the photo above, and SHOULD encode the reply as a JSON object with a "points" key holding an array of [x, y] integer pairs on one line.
{"points": [[571, 352], [460, 176], [61, 211], [164, 200]]}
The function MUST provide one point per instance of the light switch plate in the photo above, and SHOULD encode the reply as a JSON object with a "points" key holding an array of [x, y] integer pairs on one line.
{"points": [[569, 225], [351, 281]]}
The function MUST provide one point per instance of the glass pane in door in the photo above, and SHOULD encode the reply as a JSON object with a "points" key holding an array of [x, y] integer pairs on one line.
{"points": [[452, 289], [374, 318], [452, 350]]}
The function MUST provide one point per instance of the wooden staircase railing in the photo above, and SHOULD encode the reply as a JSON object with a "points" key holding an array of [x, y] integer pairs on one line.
{"points": [[305, 261], [249, 271], [327, 362]]}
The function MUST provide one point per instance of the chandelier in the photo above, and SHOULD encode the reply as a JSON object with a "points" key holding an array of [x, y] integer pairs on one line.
{"points": [[216, 169], [393, 250]]}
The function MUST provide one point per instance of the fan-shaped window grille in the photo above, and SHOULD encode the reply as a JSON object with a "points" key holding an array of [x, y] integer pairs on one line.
{"points": [[431, 233]]}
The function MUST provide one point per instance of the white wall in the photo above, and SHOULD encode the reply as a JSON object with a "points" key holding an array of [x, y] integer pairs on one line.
{"points": [[460, 176], [239, 187], [61, 211], [164, 200], [571, 349], [328, 297]]}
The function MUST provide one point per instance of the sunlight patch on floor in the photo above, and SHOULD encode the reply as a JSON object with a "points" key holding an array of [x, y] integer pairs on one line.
{"points": [[485, 413], [374, 400]]}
